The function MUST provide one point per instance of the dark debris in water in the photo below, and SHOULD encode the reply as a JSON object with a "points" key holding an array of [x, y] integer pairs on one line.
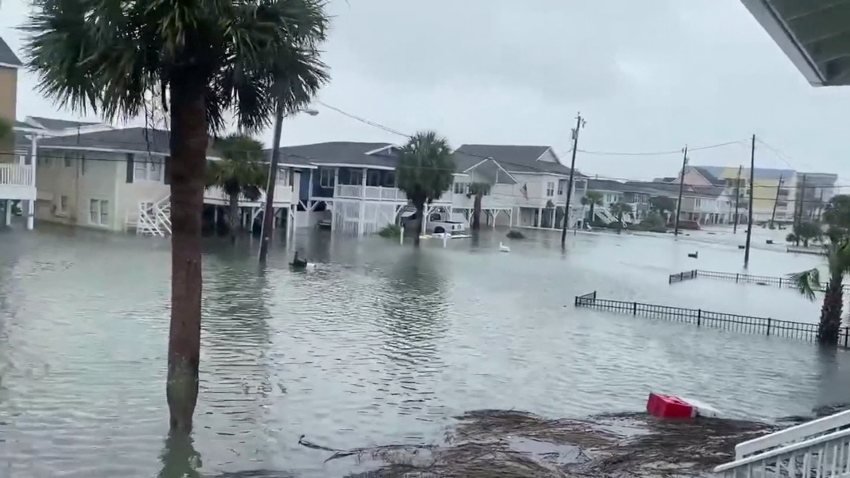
{"points": [[515, 444]]}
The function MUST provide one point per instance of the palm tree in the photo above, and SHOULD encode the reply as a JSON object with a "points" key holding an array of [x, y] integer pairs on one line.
{"points": [[592, 199], [477, 191], [618, 209], [424, 172], [838, 264], [5, 128], [241, 172], [199, 61]]}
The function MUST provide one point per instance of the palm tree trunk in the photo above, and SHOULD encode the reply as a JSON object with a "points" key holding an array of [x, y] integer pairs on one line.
{"points": [[476, 213], [420, 216], [830, 314], [188, 153], [233, 216]]}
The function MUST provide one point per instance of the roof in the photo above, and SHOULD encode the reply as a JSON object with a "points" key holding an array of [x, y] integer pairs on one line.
{"points": [[759, 173], [57, 124], [515, 158], [814, 35], [708, 175], [7, 56], [339, 152], [485, 170], [127, 139]]}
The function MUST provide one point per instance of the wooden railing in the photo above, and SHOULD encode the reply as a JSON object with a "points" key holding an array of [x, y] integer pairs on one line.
{"points": [[16, 175]]}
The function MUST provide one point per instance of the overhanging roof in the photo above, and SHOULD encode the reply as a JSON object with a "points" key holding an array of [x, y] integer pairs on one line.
{"points": [[814, 34]]}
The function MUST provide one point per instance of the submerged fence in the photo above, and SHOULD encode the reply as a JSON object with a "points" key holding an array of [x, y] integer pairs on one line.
{"points": [[739, 278], [705, 318]]}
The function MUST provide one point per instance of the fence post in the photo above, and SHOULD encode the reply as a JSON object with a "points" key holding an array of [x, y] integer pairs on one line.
{"points": [[634, 308], [768, 326], [736, 277], [699, 317], [576, 302], [670, 280], [846, 335], [780, 282]]}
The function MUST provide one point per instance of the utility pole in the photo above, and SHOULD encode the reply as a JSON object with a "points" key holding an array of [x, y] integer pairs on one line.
{"points": [[799, 219], [579, 124], [681, 189], [268, 213], [737, 199], [752, 188], [775, 201]]}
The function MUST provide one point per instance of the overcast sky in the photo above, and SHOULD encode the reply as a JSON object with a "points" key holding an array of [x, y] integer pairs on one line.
{"points": [[648, 75]]}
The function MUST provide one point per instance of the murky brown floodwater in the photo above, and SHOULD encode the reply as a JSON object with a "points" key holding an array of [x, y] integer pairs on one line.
{"points": [[382, 344]]}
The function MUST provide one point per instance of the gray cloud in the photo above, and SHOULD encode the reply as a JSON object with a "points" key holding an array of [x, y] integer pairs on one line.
{"points": [[648, 75]]}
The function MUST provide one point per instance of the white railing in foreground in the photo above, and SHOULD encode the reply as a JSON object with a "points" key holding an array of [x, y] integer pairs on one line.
{"points": [[819, 448], [16, 175]]}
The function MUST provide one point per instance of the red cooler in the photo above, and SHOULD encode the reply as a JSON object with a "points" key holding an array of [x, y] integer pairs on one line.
{"points": [[668, 406]]}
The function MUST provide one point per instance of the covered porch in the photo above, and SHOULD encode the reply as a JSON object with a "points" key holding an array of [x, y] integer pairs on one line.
{"points": [[17, 183]]}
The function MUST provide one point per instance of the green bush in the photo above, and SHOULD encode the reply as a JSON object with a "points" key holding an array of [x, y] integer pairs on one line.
{"points": [[391, 230], [512, 234], [652, 223]]}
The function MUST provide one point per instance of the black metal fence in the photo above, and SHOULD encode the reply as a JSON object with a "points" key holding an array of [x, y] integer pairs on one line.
{"points": [[739, 278], [705, 318]]}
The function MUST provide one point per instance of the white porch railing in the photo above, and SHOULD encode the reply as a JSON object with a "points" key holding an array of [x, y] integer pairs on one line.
{"points": [[216, 195], [16, 175], [819, 448], [377, 193]]}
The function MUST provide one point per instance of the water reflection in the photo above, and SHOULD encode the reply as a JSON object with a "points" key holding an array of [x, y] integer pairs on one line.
{"points": [[179, 458]]}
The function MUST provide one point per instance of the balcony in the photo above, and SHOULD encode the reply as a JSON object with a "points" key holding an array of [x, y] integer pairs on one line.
{"points": [[216, 195], [17, 182]]}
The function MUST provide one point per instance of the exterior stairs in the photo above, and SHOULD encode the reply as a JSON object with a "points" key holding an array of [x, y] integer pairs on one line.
{"points": [[155, 218], [816, 449]]}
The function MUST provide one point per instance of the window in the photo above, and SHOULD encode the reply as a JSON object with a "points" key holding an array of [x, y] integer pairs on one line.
{"points": [[282, 178], [355, 177], [373, 177], [698, 202], [326, 178], [99, 212], [550, 189], [461, 188], [148, 169], [562, 186], [67, 158]]}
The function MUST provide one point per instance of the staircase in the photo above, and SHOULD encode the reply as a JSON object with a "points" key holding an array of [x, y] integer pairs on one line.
{"points": [[604, 214], [155, 218], [816, 449]]}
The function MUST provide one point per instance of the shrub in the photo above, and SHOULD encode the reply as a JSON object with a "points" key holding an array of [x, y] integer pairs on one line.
{"points": [[512, 234], [391, 230]]}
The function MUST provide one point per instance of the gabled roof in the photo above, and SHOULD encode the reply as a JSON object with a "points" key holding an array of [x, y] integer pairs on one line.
{"points": [[349, 153], [58, 124], [8, 57], [708, 175], [137, 139], [516, 158], [488, 170], [759, 173]]}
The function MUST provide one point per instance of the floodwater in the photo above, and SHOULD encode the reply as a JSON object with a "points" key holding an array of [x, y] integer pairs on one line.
{"points": [[381, 344]]}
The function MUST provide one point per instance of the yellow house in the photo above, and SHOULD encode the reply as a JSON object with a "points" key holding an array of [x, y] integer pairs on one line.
{"points": [[766, 187]]}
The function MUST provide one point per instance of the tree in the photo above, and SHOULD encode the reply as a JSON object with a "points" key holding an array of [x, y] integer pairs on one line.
{"points": [[240, 172], [199, 61], [836, 214], [619, 209], [838, 264], [477, 191], [663, 205], [805, 232], [424, 172], [592, 199], [5, 129]]}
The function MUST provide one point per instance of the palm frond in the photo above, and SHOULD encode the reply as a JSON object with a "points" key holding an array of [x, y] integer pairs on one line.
{"points": [[807, 282]]}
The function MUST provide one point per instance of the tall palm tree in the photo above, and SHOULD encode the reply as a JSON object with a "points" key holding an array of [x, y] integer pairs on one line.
{"points": [[838, 264], [477, 191], [424, 172], [592, 199], [201, 61], [240, 172]]}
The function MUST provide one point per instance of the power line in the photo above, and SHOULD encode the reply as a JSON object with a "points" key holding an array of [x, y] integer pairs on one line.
{"points": [[363, 120], [657, 153]]}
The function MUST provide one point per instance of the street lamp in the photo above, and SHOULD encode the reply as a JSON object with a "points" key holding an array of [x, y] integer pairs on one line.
{"points": [[268, 213]]}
